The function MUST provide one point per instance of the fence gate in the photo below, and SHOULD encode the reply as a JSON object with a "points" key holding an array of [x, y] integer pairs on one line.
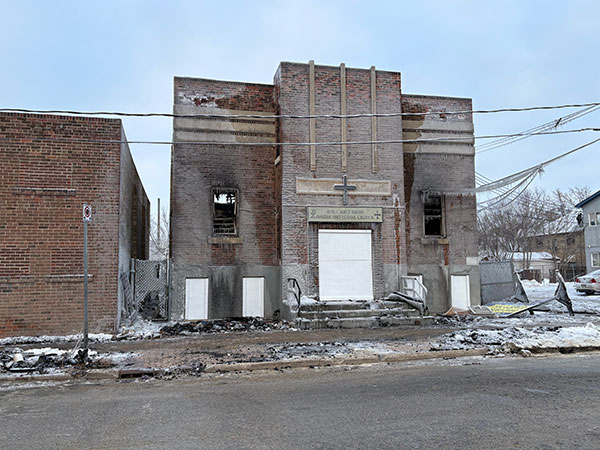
{"points": [[151, 288], [496, 280]]}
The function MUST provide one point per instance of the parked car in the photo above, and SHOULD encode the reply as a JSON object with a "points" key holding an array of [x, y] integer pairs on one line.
{"points": [[588, 284]]}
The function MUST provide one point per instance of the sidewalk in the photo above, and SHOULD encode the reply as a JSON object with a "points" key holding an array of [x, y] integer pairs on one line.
{"points": [[202, 353], [248, 351]]}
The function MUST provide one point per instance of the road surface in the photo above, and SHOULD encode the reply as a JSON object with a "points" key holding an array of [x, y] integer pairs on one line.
{"points": [[541, 402]]}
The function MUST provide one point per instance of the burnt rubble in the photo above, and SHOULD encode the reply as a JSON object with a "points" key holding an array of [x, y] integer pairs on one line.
{"points": [[29, 361], [225, 325]]}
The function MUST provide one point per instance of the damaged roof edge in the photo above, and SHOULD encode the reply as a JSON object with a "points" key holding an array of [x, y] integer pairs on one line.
{"points": [[212, 80]]}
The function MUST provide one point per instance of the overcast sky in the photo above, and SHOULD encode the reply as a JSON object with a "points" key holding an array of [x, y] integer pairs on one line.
{"points": [[123, 55]]}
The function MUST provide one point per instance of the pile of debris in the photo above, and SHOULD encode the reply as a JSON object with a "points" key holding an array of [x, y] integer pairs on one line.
{"points": [[40, 360], [225, 325]]}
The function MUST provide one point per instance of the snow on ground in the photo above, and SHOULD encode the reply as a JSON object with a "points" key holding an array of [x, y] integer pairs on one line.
{"points": [[142, 329], [589, 304], [19, 340], [517, 338]]}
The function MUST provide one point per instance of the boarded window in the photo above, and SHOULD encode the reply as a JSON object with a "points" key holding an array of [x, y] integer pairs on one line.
{"points": [[433, 215], [224, 211]]}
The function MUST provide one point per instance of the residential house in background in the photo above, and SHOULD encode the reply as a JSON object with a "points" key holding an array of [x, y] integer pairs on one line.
{"points": [[590, 219], [536, 265], [564, 239], [340, 207], [51, 166]]}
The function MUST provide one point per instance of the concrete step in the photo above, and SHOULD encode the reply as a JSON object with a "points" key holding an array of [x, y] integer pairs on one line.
{"points": [[347, 313], [362, 322], [336, 306]]}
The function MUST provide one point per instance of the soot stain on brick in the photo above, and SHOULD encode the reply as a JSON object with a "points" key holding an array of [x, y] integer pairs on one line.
{"points": [[409, 178]]}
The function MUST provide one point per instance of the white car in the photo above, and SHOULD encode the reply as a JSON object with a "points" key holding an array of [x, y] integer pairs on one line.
{"points": [[588, 284]]}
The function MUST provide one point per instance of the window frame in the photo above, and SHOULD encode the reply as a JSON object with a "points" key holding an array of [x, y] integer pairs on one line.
{"points": [[214, 191], [597, 255], [595, 215], [442, 217]]}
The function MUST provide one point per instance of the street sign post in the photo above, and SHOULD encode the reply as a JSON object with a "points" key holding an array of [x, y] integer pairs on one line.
{"points": [[87, 217]]}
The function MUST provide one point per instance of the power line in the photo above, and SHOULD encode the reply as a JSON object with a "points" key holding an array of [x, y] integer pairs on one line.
{"points": [[521, 178], [527, 133], [517, 177], [296, 116], [446, 140]]}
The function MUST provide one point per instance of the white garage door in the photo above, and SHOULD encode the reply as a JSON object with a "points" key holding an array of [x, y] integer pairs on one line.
{"points": [[345, 269], [196, 298]]}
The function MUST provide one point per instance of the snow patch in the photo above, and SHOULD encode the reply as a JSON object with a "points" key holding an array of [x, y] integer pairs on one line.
{"points": [[17, 340], [517, 338]]}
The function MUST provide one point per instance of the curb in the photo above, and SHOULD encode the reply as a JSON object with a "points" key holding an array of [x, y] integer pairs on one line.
{"points": [[330, 362], [116, 374], [31, 378], [92, 374]]}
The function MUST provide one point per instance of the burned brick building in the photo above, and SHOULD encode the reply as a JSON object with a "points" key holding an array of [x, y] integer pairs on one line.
{"points": [[268, 188], [51, 166]]}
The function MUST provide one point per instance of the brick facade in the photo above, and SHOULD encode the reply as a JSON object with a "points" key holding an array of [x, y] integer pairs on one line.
{"points": [[44, 181], [275, 235]]}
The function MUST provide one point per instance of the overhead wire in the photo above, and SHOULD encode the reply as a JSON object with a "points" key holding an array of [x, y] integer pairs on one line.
{"points": [[449, 139], [488, 146], [296, 116]]}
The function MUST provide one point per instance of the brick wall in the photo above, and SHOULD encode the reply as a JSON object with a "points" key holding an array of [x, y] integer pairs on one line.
{"points": [[440, 168], [274, 229], [299, 241], [197, 169], [134, 220], [43, 185]]}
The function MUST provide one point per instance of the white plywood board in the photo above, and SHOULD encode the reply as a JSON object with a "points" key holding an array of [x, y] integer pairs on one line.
{"points": [[196, 298], [253, 303], [345, 265], [461, 295]]}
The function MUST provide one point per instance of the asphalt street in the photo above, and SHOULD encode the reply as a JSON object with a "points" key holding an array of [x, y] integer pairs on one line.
{"points": [[475, 403]]}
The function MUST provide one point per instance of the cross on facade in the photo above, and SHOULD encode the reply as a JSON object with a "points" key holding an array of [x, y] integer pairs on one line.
{"points": [[344, 187]]}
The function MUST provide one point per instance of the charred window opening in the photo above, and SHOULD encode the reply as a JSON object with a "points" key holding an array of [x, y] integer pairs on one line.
{"points": [[224, 211], [433, 215]]}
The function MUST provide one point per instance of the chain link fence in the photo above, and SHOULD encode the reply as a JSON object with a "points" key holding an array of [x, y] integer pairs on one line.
{"points": [[151, 288]]}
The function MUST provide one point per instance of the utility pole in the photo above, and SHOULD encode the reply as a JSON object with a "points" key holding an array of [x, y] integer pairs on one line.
{"points": [[158, 224]]}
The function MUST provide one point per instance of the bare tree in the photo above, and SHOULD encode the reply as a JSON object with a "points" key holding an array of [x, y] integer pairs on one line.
{"points": [[159, 235], [505, 230], [533, 221]]}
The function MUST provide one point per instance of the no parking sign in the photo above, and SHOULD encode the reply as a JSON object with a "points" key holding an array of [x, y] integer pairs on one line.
{"points": [[87, 212]]}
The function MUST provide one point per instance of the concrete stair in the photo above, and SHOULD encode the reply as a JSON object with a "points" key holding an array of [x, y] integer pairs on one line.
{"points": [[358, 314]]}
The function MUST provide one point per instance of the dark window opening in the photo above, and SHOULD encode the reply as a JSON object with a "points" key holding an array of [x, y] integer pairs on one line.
{"points": [[432, 214], [224, 211]]}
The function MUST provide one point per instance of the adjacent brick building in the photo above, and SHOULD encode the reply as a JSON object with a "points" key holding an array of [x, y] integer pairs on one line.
{"points": [[51, 165], [319, 201]]}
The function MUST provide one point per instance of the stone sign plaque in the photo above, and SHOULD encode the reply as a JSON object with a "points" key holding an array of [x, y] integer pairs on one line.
{"points": [[335, 214]]}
